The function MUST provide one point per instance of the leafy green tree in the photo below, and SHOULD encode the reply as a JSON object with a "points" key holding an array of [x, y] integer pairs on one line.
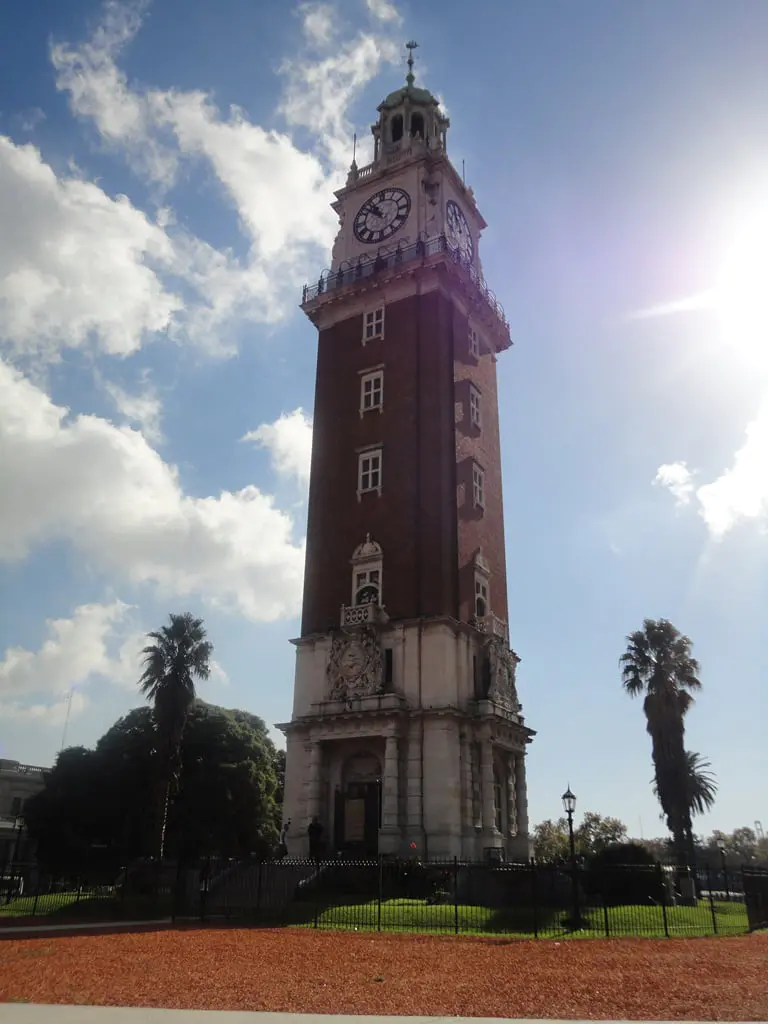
{"points": [[179, 654], [595, 833], [95, 812], [659, 665]]}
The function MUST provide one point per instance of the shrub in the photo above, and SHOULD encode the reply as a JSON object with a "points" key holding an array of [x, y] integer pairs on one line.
{"points": [[624, 874]]}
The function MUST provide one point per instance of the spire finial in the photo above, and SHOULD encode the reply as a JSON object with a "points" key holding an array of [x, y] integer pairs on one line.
{"points": [[410, 46]]}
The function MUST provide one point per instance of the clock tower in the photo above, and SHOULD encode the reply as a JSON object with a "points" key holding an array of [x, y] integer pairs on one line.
{"points": [[407, 734]]}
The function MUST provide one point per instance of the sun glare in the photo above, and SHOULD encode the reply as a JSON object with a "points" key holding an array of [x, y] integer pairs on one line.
{"points": [[741, 294]]}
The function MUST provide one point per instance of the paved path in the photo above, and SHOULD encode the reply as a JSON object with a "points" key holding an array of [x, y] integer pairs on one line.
{"points": [[22, 1013]]}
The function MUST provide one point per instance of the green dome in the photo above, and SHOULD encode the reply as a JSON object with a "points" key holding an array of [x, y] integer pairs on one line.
{"points": [[412, 92]]}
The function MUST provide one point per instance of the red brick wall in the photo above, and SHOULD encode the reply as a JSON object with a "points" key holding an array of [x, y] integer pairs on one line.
{"points": [[477, 529], [425, 538]]}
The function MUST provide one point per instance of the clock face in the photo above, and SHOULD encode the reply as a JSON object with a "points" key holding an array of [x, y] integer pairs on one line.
{"points": [[382, 215], [458, 230]]}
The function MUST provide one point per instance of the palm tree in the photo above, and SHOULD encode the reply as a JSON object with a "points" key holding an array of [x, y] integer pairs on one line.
{"points": [[179, 653], [700, 790], [658, 663]]}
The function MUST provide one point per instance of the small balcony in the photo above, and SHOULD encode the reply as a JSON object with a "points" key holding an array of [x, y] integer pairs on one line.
{"points": [[492, 625], [330, 283], [362, 615]]}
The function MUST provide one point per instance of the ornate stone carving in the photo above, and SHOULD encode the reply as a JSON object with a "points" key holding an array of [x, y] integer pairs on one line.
{"points": [[355, 665], [503, 665]]}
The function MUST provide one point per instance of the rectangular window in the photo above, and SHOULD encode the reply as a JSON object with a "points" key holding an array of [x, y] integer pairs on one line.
{"points": [[369, 472], [481, 597], [372, 391], [474, 342], [373, 324], [388, 669], [474, 407], [15, 806], [478, 487]]}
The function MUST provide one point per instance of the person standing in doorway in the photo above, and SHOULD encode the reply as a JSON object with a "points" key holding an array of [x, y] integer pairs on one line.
{"points": [[315, 833]]}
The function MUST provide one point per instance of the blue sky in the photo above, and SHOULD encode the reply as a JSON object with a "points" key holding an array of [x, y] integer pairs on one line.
{"points": [[165, 173]]}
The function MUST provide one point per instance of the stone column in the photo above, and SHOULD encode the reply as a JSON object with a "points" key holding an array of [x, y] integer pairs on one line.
{"points": [[390, 785], [468, 819], [511, 796], [486, 771], [315, 780], [521, 795]]}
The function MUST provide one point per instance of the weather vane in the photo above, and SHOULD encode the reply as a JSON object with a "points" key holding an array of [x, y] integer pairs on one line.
{"points": [[410, 46]]}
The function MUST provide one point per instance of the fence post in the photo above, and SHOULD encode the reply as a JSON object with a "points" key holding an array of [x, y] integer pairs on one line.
{"points": [[663, 887], [380, 882], [532, 867], [455, 895], [176, 891], [257, 908], [605, 920], [711, 899], [204, 887], [37, 893]]}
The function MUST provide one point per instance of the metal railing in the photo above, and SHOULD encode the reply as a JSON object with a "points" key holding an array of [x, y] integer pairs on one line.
{"points": [[366, 267], [518, 900]]}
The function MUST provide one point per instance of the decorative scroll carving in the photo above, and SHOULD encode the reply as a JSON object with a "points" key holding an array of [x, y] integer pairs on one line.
{"points": [[503, 671], [355, 667]]}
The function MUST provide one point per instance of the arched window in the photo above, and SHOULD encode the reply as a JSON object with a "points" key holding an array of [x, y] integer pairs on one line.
{"points": [[397, 127], [366, 573], [481, 596], [417, 125]]}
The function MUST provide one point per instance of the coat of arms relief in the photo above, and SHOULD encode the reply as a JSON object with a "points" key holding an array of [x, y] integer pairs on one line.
{"points": [[503, 666], [355, 667]]}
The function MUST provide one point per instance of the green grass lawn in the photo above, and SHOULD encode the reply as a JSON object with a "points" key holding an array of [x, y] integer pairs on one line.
{"points": [[418, 916], [47, 903], [85, 906]]}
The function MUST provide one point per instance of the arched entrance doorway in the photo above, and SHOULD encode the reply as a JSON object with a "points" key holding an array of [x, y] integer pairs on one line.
{"points": [[357, 816]]}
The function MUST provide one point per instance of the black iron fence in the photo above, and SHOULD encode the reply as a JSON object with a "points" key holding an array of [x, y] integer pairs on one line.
{"points": [[517, 900]]}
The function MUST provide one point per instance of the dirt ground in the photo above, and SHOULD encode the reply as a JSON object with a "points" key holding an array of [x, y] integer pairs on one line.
{"points": [[344, 972]]}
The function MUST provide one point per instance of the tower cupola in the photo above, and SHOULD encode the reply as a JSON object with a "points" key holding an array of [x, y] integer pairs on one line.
{"points": [[409, 118]]}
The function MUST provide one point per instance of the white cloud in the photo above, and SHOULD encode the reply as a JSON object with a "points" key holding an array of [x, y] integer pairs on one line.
{"points": [[319, 22], [384, 10], [678, 480], [74, 263], [740, 493], [320, 91], [289, 443], [92, 644], [107, 492], [144, 408], [280, 192]]}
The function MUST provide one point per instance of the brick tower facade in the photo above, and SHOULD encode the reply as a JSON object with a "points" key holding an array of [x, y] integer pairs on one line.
{"points": [[406, 734]]}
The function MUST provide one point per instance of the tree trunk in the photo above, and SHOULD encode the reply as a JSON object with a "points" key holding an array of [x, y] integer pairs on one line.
{"points": [[164, 819]]}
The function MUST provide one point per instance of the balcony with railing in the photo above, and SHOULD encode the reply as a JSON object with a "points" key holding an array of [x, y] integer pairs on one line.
{"points": [[366, 267], [362, 615], [492, 625]]}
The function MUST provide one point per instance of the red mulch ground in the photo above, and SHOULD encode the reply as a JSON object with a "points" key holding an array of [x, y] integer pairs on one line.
{"points": [[342, 972]]}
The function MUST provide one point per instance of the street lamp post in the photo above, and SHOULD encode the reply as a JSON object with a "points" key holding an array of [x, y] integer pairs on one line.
{"points": [[18, 826], [569, 804], [721, 848]]}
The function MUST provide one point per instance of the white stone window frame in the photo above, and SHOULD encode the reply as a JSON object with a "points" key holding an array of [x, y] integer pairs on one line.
{"points": [[372, 375], [373, 324], [482, 591], [478, 486], [367, 470], [365, 569], [473, 341], [475, 411]]}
